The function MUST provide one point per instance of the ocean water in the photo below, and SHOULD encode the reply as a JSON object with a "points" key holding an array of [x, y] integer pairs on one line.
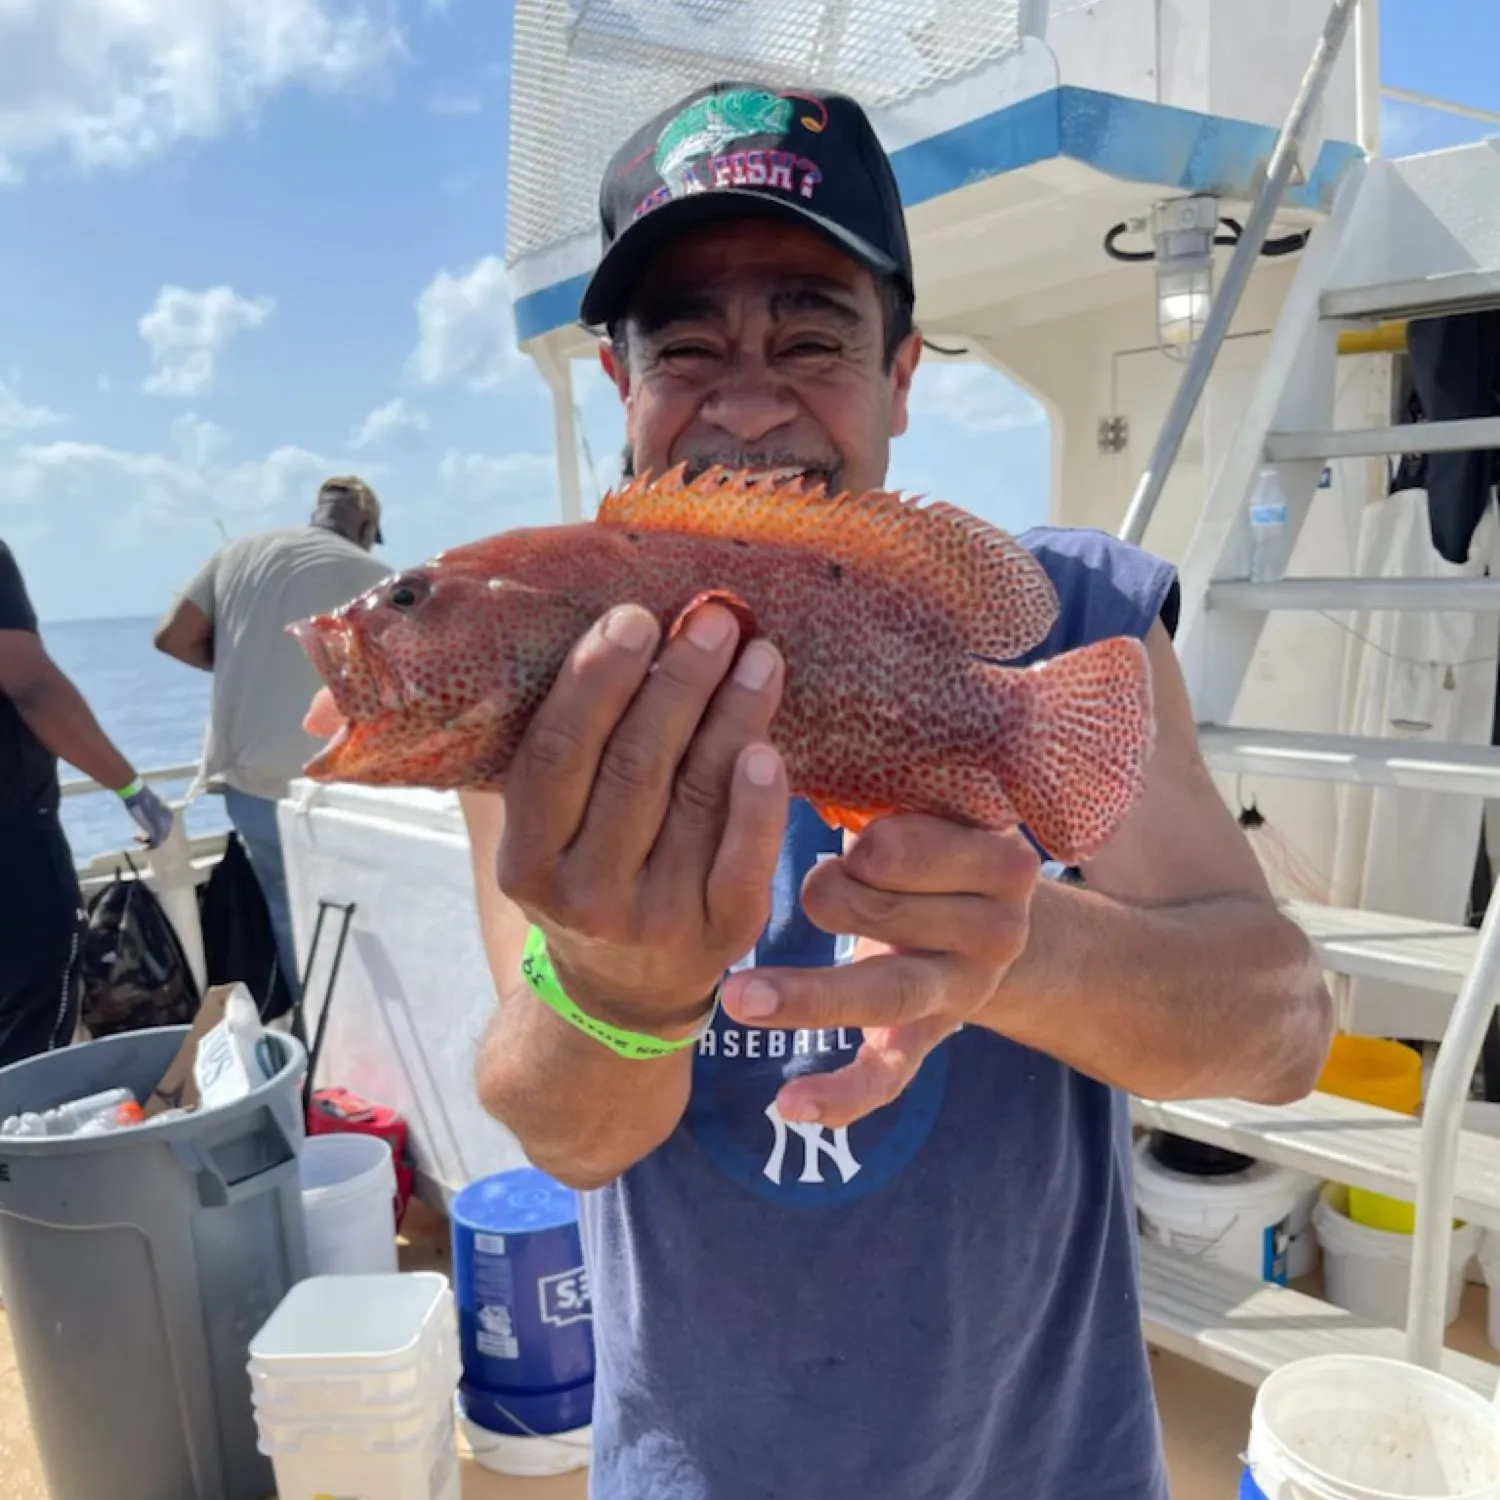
{"points": [[152, 707]]}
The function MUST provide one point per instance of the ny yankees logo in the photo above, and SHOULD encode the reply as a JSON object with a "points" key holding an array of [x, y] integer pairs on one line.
{"points": [[733, 1118], [814, 1148], [738, 1071]]}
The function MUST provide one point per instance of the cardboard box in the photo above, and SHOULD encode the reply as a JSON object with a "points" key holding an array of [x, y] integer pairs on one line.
{"points": [[177, 1089]]}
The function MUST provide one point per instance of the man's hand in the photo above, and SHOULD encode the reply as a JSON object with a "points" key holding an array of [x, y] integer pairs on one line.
{"points": [[943, 912], [149, 813], [644, 813]]}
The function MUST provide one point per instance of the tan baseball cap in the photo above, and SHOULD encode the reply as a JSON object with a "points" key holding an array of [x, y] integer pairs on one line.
{"points": [[346, 496]]}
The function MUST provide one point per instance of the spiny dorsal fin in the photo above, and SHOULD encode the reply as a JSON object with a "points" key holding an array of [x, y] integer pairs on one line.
{"points": [[980, 574]]}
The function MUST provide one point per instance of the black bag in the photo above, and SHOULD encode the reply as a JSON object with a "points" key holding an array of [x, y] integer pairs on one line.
{"points": [[133, 970], [238, 944]]}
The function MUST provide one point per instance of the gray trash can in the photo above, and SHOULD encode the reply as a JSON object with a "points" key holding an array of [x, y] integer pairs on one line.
{"points": [[137, 1266]]}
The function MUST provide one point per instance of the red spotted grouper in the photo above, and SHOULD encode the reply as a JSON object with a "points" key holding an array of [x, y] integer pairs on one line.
{"points": [[893, 617]]}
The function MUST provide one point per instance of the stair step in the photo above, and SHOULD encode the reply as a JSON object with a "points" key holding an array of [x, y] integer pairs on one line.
{"points": [[1473, 435], [1334, 594], [1376, 945], [1443, 766], [1246, 1329], [1341, 1140], [1452, 292]]}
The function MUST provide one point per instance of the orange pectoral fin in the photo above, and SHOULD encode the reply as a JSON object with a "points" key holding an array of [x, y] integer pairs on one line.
{"points": [[855, 819], [731, 601]]}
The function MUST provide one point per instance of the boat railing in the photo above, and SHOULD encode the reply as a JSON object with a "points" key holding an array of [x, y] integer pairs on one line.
{"points": [[80, 786], [173, 870], [584, 73]]}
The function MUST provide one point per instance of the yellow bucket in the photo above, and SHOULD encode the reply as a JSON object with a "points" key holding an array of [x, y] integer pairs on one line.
{"points": [[1387, 1074], [1374, 1071], [1377, 1211]]}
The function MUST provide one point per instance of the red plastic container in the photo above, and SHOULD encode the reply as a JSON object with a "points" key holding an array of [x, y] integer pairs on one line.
{"points": [[335, 1110]]}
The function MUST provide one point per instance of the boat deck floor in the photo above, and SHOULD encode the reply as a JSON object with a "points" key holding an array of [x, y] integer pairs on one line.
{"points": [[1205, 1416]]}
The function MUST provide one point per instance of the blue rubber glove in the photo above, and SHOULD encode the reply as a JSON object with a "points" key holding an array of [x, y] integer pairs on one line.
{"points": [[152, 816]]}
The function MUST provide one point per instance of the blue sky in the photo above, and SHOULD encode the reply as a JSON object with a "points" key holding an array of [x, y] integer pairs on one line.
{"points": [[249, 243]]}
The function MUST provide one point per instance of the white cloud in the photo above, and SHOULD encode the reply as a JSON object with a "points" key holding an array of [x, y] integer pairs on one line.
{"points": [[17, 416], [395, 422], [972, 397], [187, 331], [114, 82], [193, 479], [197, 441], [466, 330], [516, 479]]}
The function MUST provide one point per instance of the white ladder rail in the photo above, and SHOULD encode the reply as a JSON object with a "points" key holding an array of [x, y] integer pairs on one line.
{"points": [[1289, 423], [1285, 159], [1298, 374], [1442, 1118]]}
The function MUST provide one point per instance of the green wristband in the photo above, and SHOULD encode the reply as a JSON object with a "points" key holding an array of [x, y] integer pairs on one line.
{"points": [[536, 966], [126, 792]]}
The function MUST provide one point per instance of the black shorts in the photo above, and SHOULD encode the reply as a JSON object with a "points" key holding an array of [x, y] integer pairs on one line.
{"points": [[42, 922]]}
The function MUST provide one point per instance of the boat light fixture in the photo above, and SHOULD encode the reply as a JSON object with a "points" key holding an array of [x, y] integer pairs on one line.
{"points": [[1183, 229]]}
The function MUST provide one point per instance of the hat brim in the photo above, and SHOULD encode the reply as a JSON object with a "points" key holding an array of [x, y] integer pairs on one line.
{"points": [[608, 293]]}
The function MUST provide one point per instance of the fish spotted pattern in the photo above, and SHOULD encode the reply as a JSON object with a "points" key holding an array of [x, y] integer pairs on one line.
{"points": [[894, 618]]}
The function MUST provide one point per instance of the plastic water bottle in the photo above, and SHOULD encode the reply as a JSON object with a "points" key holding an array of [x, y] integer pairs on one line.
{"points": [[77, 1115], [119, 1117], [1267, 528], [233, 1057]]}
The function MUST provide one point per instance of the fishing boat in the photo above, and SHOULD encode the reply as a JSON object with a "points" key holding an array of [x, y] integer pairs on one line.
{"points": [[1171, 223]]}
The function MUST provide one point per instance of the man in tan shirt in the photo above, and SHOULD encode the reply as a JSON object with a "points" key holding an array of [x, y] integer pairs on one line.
{"points": [[231, 620]]}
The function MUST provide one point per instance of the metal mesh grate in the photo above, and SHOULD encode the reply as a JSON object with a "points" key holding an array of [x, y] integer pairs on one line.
{"points": [[584, 73]]}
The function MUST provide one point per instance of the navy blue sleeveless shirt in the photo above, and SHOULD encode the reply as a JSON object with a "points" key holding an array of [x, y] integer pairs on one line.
{"points": [[940, 1302]]}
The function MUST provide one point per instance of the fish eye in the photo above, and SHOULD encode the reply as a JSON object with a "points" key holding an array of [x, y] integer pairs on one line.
{"points": [[406, 592]]}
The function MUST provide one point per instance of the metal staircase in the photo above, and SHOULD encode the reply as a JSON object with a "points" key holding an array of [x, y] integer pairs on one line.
{"points": [[1408, 238]]}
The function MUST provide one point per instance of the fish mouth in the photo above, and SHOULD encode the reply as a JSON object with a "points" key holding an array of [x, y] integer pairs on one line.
{"points": [[332, 649], [325, 640], [328, 644], [359, 681]]}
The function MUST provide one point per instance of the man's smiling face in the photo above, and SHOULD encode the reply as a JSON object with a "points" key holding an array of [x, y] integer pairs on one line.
{"points": [[756, 344]]}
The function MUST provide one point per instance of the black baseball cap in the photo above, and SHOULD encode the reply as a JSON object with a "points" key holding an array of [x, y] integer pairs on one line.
{"points": [[742, 148]]}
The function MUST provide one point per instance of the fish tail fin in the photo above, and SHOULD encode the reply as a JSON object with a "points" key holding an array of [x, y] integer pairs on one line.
{"points": [[1076, 763]]}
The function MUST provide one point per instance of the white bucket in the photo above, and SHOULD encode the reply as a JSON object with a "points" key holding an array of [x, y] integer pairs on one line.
{"points": [[1242, 1221], [1368, 1271], [1483, 1118], [533, 1457], [1488, 1261], [1353, 1427], [352, 1382], [348, 1201], [1302, 1241], [340, 1346], [352, 1459]]}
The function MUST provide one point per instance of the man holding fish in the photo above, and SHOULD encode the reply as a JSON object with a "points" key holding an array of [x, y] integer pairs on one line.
{"points": [[854, 1229]]}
